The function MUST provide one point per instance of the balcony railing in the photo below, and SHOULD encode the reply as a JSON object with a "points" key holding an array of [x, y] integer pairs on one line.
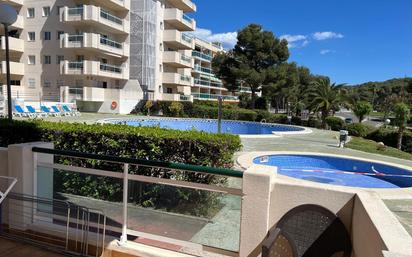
{"points": [[208, 83], [203, 69], [187, 38], [76, 65], [202, 55], [185, 78], [75, 38], [214, 97], [109, 42], [187, 18], [76, 11], [185, 58], [108, 16], [110, 68], [133, 180]]}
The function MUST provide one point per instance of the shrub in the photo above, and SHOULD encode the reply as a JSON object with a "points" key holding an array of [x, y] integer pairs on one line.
{"points": [[278, 118], [297, 121], [150, 143], [314, 122], [390, 138], [359, 129], [262, 115], [176, 109], [227, 114], [335, 123], [148, 107], [261, 103]]}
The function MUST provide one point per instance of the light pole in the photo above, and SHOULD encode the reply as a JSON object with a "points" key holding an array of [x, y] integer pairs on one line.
{"points": [[8, 16]]}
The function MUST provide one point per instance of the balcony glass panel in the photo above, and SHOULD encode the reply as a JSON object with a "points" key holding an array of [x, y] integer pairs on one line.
{"points": [[187, 38], [203, 69], [202, 55], [185, 58], [106, 15], [109, 42], [185, 78], [76, 11], [75, 38], [187, 18], [110, 68], [76, 65]]}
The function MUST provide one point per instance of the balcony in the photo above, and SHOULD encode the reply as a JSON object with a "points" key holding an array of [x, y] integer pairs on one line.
{"points": [[184, 5], [179, 20], [177, 98], [93, 15], [16, 69], [177, 59], [91, 41], [118, 5], [203, 70], [15, 44], [94, 68], [208, 84], [178, 39], [176, 79], [213, 97], [202, 56]]}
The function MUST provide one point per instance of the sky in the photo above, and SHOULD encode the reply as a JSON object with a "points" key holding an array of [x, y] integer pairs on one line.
{"points": [[351, 41]]}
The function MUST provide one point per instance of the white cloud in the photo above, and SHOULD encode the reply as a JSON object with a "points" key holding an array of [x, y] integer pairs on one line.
{"points": [[228, 39], [326, 51], [295, 40], [326, 35]]}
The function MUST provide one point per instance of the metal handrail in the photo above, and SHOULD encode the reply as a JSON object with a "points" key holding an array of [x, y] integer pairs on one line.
{"points": [[145, 163]]}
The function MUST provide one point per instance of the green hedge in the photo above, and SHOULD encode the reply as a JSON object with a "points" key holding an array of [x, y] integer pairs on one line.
{"points": [[389, 137], [359, 129], [335, 123], [189, 147]]}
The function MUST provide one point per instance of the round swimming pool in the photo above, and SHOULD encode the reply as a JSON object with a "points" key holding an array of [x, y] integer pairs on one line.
{"points": [[339, 171], [211, 126]]}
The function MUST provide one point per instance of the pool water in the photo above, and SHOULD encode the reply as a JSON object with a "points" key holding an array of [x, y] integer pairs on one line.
{"points": [[230, 127], [339, 171]]}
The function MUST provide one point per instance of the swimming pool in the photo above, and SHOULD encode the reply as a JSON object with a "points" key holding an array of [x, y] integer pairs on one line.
{"points": [[230, 127], [339, 171]]}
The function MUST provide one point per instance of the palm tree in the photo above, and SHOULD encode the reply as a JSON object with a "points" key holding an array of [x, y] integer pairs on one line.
{"points": [[402, 116], [325, 97]]}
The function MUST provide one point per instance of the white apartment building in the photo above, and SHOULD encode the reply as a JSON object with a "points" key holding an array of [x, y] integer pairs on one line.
{"points": [[108, 55]]}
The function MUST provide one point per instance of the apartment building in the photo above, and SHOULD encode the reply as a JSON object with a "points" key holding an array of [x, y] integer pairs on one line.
{"points": [[108, 55], [206, 85]]}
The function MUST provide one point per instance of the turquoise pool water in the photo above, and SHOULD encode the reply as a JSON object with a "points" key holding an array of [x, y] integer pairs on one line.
{"points": [[339, 171], [211, 126]]}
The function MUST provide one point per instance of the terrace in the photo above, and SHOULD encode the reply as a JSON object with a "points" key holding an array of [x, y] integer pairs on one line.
{"points": [[253, 201]]}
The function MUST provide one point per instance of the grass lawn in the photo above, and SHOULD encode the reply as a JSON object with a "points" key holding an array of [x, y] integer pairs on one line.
{"points": [[371, 147]]}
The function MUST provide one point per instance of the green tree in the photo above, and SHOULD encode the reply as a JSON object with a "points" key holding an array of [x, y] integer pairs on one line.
{"points": [[252, 61], [402, 116], [325, 98], [362, 109]]}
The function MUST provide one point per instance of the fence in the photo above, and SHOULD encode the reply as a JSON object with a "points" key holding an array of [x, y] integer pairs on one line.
{"points": [[55, 224], [184, 199]]}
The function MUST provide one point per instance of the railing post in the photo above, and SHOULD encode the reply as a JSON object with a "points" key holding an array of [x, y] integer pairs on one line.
{"points": [[123, 238]]}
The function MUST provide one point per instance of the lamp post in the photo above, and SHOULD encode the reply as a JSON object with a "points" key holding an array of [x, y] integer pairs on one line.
{"points": [[8, 16]]}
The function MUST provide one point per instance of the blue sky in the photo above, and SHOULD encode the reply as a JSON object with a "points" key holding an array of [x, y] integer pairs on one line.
{"points": [[349, 41]]}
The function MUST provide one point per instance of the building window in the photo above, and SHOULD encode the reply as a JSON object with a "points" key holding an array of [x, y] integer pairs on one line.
{"points": [[15, 82], [31, 59], [31, 36], [46, 11], [47, 59], [58, 9], [59, 34], [59, 59], [169, 90], [32, 83], [47, 83], [47, 35], [30, 13]]}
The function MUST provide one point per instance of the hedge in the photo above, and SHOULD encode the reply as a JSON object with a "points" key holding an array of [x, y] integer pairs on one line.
{"points": [[335, 123], [152, 143], [359, 129], [389, 137]]}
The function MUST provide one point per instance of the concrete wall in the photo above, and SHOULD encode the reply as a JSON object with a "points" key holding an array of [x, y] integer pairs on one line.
{"points": [[3, 162]]}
